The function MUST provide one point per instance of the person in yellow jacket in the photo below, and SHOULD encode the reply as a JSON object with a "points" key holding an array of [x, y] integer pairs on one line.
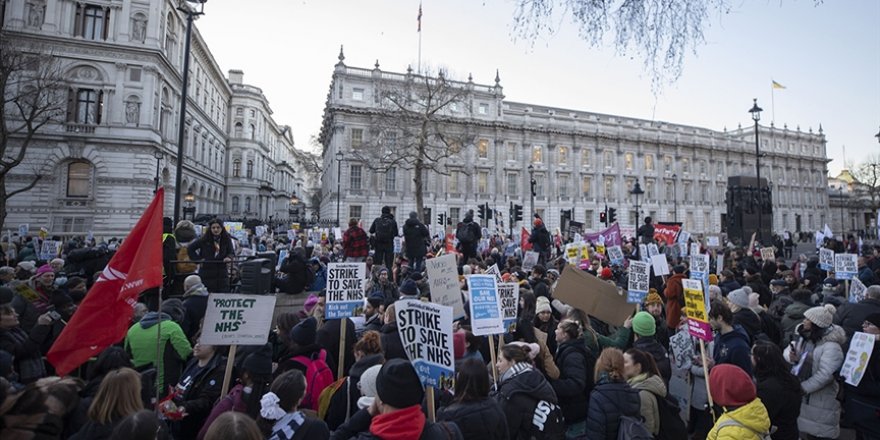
{"points": [[744, 416]]}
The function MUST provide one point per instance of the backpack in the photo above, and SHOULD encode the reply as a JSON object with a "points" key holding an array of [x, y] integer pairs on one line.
{"points": [[318, 377], [327, 396], [547, 422], [672, 427], [734, 422], [182, 259], [385, 230], [465, 234], [632, 428]]}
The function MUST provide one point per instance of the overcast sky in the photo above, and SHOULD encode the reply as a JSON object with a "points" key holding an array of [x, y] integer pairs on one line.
{"points": [[827, 57]]}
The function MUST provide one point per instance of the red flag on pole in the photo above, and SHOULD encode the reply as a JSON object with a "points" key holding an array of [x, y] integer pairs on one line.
{"points": [[524, 240], [105, 315]]}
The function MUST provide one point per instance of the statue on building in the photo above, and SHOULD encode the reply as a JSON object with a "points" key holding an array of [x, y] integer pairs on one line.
{"points": [[138, 28], [36, 13], [132, 112]]}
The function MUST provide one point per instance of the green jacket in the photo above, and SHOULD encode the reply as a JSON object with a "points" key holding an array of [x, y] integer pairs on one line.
{"points": [[619, 339], [141, 342]]}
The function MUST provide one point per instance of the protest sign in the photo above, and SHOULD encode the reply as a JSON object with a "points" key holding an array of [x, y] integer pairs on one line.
{"points": [[845, 266], [819, 239], [346, 283], [666, 232], [682, 350], [443, 281], [23, 230], [282, 255], [694, 248], [426, 334], [643, 253], [768, 253], [652, 249], [596, 297], [856, 290], [485, 308], [826, 259], [639, 277], [530, 261], [610, 236], [660, 265], [700, 269], [713, 241], [856, 363], [398, 241], [291, 234], [573, 253], [508, 294], [683, 237], [615, 254], [337, 234], [719, 264], [695, 310], [585, 251], [493, 270], [682, 250], [50, 249], [234, 319]]}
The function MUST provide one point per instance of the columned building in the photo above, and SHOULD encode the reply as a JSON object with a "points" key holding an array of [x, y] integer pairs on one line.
{"points": [[852, 211], [579, 160]]}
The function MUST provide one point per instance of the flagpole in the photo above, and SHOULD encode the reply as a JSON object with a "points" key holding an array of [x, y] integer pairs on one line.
{"points": [[772, 104], [419, 64]]}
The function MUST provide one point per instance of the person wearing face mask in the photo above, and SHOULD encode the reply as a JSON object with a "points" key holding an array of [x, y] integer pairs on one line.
{"points": [[216, 251]]}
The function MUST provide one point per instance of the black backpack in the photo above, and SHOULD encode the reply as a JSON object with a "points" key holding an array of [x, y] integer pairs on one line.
{"points": [[465, 233], [385, 230], [672, 427]]}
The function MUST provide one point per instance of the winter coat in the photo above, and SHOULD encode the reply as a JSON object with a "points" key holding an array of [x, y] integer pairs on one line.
{"points": [[651, 390], [749, 321], [344, 401], [608, 402], [862, 403], [794, 315], [200, 394], [233, 401], [820, 409], [140, 342], [296, 269], [734, 348], [214, 274], [195, 302], [778, 398], [750, 419], [650, 345], [674, 299], [765, 297], [416, 236], [480, 419], [95, 431], [26, 353], [867, 277], [328, 338], [574, 385], [358, 427], [851, 316], [520, 397], [390, 339]]}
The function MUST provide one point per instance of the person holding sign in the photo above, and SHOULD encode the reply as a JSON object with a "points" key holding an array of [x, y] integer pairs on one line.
{"points": [[862, 401]]}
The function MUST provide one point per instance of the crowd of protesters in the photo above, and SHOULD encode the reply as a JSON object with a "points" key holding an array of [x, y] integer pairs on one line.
{"points": [[782, 328]]}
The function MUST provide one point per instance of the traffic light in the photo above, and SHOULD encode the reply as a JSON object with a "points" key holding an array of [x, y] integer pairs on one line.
{"points": [[612, 215], [482, 209], [517, 213], [441, 218], [603, 218], [489, 212]]}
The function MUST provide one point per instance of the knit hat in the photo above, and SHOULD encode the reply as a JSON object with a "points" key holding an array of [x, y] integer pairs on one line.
{"points": [[305, 332], [653, 298], [754, 300], [376, 299], [398, 384], [606, 273], [731, 386], [830, 282], [45, 269], [310, 303], [679, 268], [191, 281], [367, 385], [27, 265], [409, 288], [739, 297], [874, 318], [713, 279], [643, 324], [259, 362], [534, 349], [821, 315], [542, 304], [459, 344]]}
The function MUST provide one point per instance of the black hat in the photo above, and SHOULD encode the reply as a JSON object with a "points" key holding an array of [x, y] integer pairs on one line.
{"points": [[61, 300], [678, 268], [305, 332], [386, 210], [778, 283], [830, 282], [6, 295], [167, 225], [376, 299], [398, 384], [874, 318], [409, 288], [259, 362]]}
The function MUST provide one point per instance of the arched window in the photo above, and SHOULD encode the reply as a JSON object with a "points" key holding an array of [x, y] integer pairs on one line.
{"points": [[235, 204], [247, 204], [250, 169], [253, 132], [236, 168], [238, 129], [78, 178]]}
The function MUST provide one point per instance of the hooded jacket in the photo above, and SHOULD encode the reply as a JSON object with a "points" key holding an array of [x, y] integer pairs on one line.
{"points": [[743, 423], [851, 316], [201, 393], [575, 382], [140, 341], [734, 348], [523, 397], [651, 390], [416, 235], [674, 299], [480, 419], [777, 397], [749, 321], [608, 401], [195, 302]]}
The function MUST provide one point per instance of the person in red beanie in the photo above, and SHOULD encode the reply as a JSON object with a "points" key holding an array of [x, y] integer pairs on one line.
{"points": [[744, 417], [606, 273]]}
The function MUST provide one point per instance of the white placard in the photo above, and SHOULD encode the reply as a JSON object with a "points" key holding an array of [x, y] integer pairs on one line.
{"points": [[719, 264], [845, 266], [337, 233], [695, 248], [638, 282], [768, 254], [426, 334], [443, 281], [346, 284], [713, 241], [486, 318], [530, 261], [856, 364], [235, 319], [615, 254], [653, 250], [856, 290], [508, 294], [683, 236], [826, 259], [660, 265], [493, 270]]}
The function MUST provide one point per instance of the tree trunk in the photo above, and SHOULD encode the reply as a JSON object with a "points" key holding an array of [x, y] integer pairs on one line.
{"points": [[3, 199]]}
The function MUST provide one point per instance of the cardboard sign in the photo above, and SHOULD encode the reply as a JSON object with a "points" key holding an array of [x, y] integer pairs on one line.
{"points": [[508, 294], [846, 266], [615, 254], [856, 363], [234, 319], [713, 241], [639, 277], [856, 290], [826, 259], [346, 284], [609, 237], [493, 270], [695, 310], [426, 335], [768, 254], [530, 261], [660, 265], [596, 297], [486, 318], [443, 281]]}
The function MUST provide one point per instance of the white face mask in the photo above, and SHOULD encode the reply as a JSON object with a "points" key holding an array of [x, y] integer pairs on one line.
{"points": [[248, 390]]}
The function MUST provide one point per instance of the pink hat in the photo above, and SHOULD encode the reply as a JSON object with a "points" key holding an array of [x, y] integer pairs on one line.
{"points": [[310, 303], [45, 269]]}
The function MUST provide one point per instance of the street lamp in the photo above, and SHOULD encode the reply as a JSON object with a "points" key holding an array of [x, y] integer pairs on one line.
{"points": [[294, 200], [339, 157], [756, 116], [158, 155], [532, 184], [637, 191], [675, 197], [192, 9], [190, 208]]}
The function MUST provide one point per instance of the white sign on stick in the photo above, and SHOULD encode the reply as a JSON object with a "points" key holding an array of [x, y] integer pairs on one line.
{"points": [[660, 265], [508, 294], [346, 283], [443, 281], [426, 335], [845, 266], [234, 319], [486, 318], [638, 282]]}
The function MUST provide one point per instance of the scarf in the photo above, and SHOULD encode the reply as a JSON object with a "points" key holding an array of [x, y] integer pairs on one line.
{"points": [[516, 370], [285, 427], [405, 424]]}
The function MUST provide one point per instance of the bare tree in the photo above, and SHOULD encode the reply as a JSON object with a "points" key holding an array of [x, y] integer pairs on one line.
{"points": [[33, 96], [414, 128], [868, 175]]}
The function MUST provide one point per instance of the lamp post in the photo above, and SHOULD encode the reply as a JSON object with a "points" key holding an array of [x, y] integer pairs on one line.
{"points": [[675, 197], [756, 116], [637, 191], [294, 200], [190, 208], [339, 157], [158, 155], [532, 184], [188, 8]]}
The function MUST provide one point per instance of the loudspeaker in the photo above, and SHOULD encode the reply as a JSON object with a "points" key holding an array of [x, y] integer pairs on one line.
{"points": [[256, 276]]}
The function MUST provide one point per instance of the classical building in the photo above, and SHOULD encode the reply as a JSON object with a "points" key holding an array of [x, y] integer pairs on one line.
{"points": [[580, 160], [852, 210], [100, 161]]}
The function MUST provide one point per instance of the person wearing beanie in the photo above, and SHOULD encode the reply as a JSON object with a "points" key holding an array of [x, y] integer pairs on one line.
{"points": [[731, 341], [368, 386], [409, 289], [744, 416], [545, 321], [654, 306], [541, 240], [743, 316], [824, 343], [573, 386], [195, 303], [606, 273], [644, 328], [674, 294], [860, 402], [381, 282], [43, 283], [713, 279]]}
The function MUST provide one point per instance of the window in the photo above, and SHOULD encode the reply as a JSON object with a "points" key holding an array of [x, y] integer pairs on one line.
{"points": [[455, 214], [703, 167], [719, 166], [667, 164], [92, 22], [609, 188], [483, 148], [537, 154], [649, 190], [628, 161], [687, 191], [390, 140], [253, 113], [238, 129], [562, 184], [482, 182], [649, 162], [250, 169], [78, 177], [253, 132], [588, 219], [562, 153], [586, 186], [235, 206], [512, 184], [609, 159], [355, 211], [357, 94], [357, 137], [355, 177], [539, 185], [670, 190], [453, 181], [585, 158], [236, 168], [239, 111], [73, 224], [247, 204], [134, 74], [704, 193], [685, 165], [483, 109], [85, 106], [511, 151], [391, 179]]}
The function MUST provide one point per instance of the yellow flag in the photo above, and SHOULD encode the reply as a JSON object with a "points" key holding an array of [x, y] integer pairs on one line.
{"points": [[776, 85]]}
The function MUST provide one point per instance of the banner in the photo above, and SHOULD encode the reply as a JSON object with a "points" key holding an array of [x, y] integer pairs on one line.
{"points": [[826, 259], [639, 277], [846, 266], [660, 265], [856, 290], [856, 363], [426, 334], [530, 261], [346, 283], [666, 232], [610, 236], [695, 310], [524, 240], [508, 294], [237, 319], [484, 305], [615, 254], [443, 281]]}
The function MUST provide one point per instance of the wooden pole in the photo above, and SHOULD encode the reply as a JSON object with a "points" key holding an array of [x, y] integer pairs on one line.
{"points": [[227, 376], [432, 416], [341, 367], [706, 374], [494, 359]]}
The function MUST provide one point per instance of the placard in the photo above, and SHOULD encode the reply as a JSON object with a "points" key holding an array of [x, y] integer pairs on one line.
{"points": [[768, 253], [282, 255], [530, 261], [682, 250], [573, 253], [856, 290], [508, 294], [683, 237], [653, 250], [826, 259], [682, 350], [398, 244], [695, 310], [845, 266], [443, 281], [700, 270], [426, 334], [713, 241], [493, 270], [643, 253], [346, 283], [639, 277], [660, 265], [50, 249], [694, 248], [235, 319], [23, 230], [337, 234], [485, 307], [595, 297], [856, 363], [615, 254], [819, 238], [719, 264]]}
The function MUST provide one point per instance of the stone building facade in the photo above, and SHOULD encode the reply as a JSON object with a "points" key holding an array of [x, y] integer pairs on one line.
{"points": [[581, 161]]}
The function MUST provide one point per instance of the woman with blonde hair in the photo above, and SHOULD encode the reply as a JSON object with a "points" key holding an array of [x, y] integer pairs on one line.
{"points": [[611, 398], [118, 397]]}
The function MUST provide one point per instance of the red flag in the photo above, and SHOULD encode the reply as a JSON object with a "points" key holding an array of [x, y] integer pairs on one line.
{"points": [[105, 315], [524, 240]]}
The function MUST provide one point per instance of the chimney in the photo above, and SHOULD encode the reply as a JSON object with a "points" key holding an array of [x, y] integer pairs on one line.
{"points": [[236, 76]]}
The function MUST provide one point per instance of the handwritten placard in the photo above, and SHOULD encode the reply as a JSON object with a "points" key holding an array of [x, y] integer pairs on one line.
{"points": [[443, 281]]}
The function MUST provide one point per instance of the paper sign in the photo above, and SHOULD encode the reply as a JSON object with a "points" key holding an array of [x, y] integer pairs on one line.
{"points": [[485, 307], [719, 264], [443, 281], [700, 270], [713, 241], [682, 350], [643, 253], [856, 290], [530, 261], [639, 277], [346, 283], [508, 294], [234, 319], [682, 250], [426, 335], [493, 270], [695, 310], [615, 254], [652, 250], [660, 265], [826, 259], [695, 248], [282, 255], [573, 253], [595, 297], [845, 266], [820, 238], [856, 363], [398, 244], [683, 237], [50, 249], [23, 230], [768, 254]]}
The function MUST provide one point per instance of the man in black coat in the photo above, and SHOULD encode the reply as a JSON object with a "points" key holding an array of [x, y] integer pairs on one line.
{"points": [[851, 316], [384, 229], [646, 231], [416, 236], [296, 272], [468, 233], [540, 240]]}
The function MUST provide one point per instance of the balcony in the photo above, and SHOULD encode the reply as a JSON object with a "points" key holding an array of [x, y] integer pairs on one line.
{"points": [[72, 127]]}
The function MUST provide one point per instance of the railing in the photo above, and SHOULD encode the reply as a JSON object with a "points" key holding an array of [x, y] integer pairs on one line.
{"points": [[79, 128]]}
